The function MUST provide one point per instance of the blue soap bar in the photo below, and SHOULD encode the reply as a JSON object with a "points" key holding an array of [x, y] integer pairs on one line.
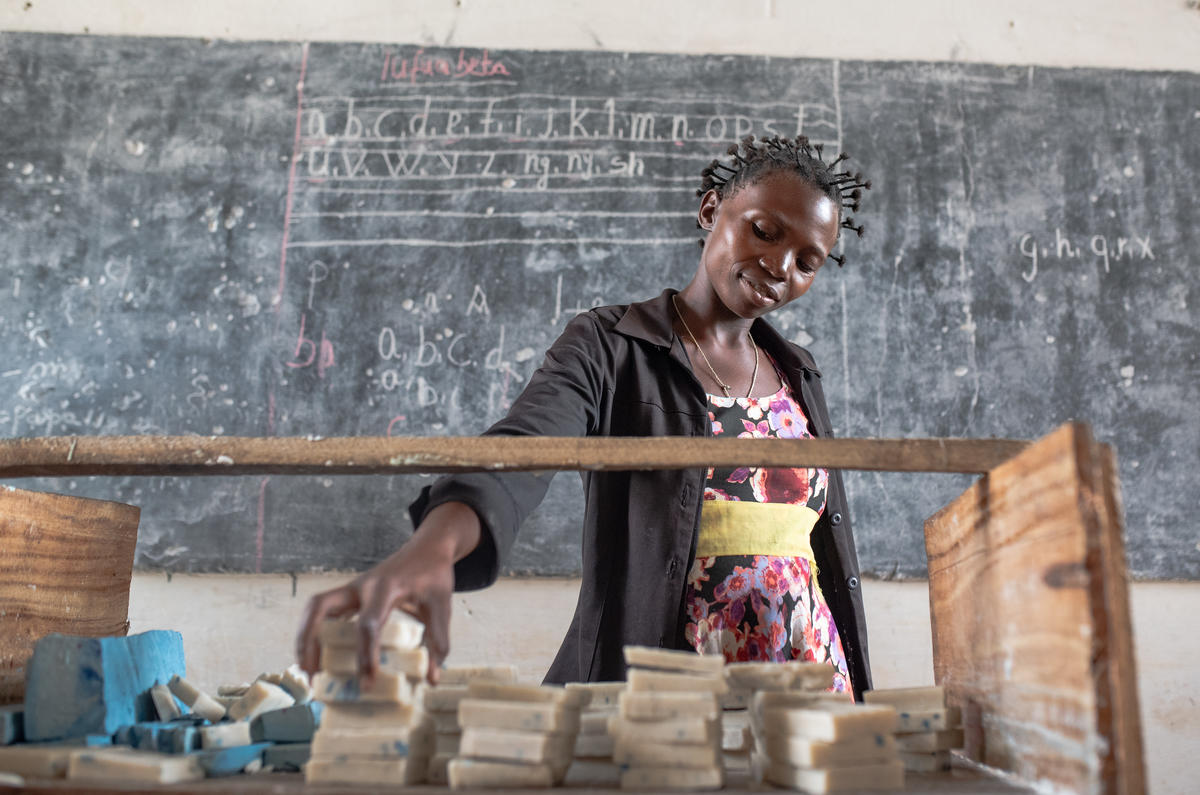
{"points": [[12, 724], [146, 736], [180, 740], [228, 761], [294, 724], [288, 756], [76, 686]]}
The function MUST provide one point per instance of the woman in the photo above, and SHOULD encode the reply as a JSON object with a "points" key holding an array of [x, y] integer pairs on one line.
{"points": [[719, 561]]}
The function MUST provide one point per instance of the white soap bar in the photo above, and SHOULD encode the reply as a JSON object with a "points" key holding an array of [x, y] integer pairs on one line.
{"points": [[599, 694], [447, 743], [683, 755], [164, 703], [595, 722], [124, 764], [925, 761], [480, 774], [353, 770], [367, 715], [930, 741], [401, 631], [295, 681], [793, 698], [198, 702], [464, 675], [225, 735], [343, 661], [36, 760], [930, 720], [665, 705], [593, 774], [435, 771], [674, 660], [389, 688], [643, 680], [261, 697], [911, 699], [673, 778], [886, 775], [594, 745], [737, 698], [759, 675], [235, 691], [499, 691], [381, 743], [516, 746], [446, 722], [830, 721], [523, 716], [443, 698], [673, 730], [799, 752], [736, 738]]}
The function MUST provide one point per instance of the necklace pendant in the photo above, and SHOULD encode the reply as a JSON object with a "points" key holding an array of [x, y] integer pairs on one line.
{"points": [[725, 389]]}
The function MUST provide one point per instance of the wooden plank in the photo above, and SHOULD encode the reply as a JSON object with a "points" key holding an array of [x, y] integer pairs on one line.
{"points": [[1026, 587], [65, 566], [77, 456]]}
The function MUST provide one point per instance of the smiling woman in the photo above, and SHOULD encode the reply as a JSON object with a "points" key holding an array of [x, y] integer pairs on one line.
{"points": [[750, 563]]}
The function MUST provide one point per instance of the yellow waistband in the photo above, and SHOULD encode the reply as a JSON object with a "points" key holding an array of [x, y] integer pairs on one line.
{"points": [[730, 527]]}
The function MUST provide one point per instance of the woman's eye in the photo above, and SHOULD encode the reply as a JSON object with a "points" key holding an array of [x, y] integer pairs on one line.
{"points": [[762, 234]]}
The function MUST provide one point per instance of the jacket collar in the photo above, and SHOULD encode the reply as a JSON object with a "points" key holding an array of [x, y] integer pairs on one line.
{"points": [[651, 321]]}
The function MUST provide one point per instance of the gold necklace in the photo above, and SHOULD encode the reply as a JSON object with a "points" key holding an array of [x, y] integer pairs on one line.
{"points": [[724, 386]]}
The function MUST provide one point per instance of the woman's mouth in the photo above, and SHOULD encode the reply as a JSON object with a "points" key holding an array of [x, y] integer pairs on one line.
{"points": [[760, 294]]}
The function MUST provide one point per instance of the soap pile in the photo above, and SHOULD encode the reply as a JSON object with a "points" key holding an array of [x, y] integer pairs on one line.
{"points": [[442, 702], [515, 735], [593, 762], [927, 729], [823, 742], [377, 733], [667, 734]]}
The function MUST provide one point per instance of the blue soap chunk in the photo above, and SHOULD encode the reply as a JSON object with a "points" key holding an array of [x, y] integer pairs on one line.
{"points": [[294, 724], [147, 736], [228, 761], [12, 724], [180, 739], [288, 756], [76, 686]]}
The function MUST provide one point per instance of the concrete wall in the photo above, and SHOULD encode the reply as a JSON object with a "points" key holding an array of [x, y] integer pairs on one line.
{"points": [[237, 626]]}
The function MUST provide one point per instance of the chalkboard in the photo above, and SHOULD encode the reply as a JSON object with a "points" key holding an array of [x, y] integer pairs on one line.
{"points": [[337, 239]]}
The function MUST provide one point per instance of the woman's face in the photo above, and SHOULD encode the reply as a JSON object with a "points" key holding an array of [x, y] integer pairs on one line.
{"points": [[766, 243]]}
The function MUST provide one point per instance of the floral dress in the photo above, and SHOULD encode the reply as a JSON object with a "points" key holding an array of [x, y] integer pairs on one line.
{"points": [[752, 593]]}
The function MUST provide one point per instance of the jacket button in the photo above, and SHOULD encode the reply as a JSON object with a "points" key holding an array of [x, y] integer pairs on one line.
{"points": [[672, 566], [852, 583], [836, 519]]}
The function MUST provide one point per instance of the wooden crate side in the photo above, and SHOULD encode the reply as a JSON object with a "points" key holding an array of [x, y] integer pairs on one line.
{"points": [[1012, 622], [65, 566]]}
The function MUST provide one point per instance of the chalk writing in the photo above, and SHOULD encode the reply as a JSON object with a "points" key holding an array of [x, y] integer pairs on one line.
{"points": [[420, 65], [1103, 249]]}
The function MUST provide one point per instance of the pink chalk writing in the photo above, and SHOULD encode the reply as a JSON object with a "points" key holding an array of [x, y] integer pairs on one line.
{"points": [[421, 65], [309, 352]]}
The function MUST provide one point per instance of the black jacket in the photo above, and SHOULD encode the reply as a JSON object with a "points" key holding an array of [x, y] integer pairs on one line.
{"points": [[622, 371]]}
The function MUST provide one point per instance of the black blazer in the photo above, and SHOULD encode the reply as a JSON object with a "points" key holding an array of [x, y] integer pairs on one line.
{"points": [[622, 371]]}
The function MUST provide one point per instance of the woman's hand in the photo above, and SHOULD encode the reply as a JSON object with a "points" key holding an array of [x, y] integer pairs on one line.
{"points": [[417, 578]]}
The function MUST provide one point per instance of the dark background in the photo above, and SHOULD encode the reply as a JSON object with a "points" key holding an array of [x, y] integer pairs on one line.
{"points": [[192, 245]]}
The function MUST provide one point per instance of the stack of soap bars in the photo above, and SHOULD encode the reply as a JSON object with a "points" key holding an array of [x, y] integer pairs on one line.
{"points": [[371, 733], [442, 702], [668, 731], [927, 728], [748, 678], [593, 762]]}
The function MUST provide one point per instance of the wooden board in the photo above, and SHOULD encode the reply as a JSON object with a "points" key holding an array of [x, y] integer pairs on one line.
{"points": [[76, 456], [1031, 623], [65, 566]]}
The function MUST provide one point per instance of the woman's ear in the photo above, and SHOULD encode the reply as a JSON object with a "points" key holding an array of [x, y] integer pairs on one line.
{"points": [[707, 216]]}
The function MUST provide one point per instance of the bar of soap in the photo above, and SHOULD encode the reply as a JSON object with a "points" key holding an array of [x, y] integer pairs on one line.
{"points": [[233, 691], [465, 674], [930, 741], [925, 761], [552, 694], [664, 705], [673, 660], [225, 735], [800, 752], [436, 772], [664, 755], [477, 773], [830, 721], [593, 774], [122, 764], [376, 772], [165, 705], [674, 730], [929, 720], [595, 722], [446, 743], [76, 685], [287, 756], [594, 745], [401, 631], [366, 715], [36, 760], [12, 724], [198, 701], [795, 698], [886, 775], [599, 694], [230, 761], [343, 661], [673, 778], [446, 722], [643, 680], [381, 743], [294, 724], [909, 699], [523, 716], [516, 746], [261, 697], [391, 688]]}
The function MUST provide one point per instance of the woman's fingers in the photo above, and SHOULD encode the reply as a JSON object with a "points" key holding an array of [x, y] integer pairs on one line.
{"points": [[328, 604], [437, 631]]}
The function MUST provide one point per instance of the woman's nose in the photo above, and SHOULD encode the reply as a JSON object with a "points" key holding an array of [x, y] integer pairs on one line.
{"points": [[779, 264]]}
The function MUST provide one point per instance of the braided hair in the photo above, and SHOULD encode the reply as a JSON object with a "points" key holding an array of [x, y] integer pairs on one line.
{"points": [[753, 160]]}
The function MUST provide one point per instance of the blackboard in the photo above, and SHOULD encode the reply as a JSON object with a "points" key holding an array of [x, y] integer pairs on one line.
{"points": [[262, 238]]}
